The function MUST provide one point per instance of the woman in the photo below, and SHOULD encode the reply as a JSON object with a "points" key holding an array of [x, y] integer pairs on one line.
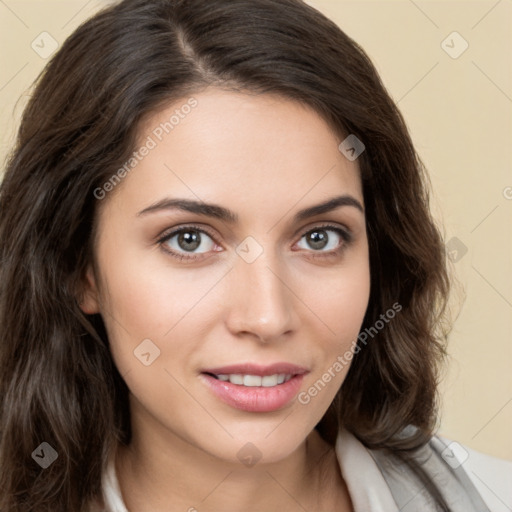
{"points": [[222, 288]]}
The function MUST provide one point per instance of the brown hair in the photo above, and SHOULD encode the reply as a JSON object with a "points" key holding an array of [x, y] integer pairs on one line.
{"points": [[58, 383]]}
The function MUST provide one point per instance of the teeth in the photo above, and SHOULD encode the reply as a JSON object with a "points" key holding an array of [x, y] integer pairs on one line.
{"points": [[270, 380], [267, 381], [252, 380], [236, 378]]}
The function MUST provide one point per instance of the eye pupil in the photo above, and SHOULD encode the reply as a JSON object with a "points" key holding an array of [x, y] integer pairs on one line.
{"points": [[189, 240], [318, 239]]}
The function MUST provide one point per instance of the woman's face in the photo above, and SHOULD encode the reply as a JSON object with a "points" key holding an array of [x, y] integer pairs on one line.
{"points": [[233, 256]]}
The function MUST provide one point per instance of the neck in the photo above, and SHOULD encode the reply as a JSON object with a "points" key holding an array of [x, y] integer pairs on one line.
{"points": [[167, 473]]}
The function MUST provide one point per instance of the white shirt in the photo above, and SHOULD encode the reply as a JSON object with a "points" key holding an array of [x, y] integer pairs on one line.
{"points": [[368, 490]]}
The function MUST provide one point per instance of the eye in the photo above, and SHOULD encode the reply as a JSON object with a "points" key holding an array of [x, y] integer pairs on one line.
{"points": [[323, 239], [188, 240]]}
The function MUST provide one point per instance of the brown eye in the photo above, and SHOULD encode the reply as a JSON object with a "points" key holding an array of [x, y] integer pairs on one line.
{"points": [[322, 239], [317, 239], [189, 240]]}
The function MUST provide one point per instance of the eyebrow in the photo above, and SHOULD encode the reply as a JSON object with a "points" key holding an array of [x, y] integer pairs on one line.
{"points": [[219, 212]]}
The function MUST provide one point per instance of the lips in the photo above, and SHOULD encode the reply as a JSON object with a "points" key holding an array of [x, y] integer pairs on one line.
{"points": [[255, 388], [254, 369]]}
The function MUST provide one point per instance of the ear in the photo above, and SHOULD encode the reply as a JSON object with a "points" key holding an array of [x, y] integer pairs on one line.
{"points": [[89, 298]]}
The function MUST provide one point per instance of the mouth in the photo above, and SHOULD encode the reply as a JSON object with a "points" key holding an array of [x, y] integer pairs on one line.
{"points": [[254, 388], [250, 381]]}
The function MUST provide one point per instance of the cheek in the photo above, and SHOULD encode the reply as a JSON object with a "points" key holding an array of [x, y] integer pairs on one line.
{"points": [[147, 300], [353, 296], [340, 301], [150, 297], [339, 305]]}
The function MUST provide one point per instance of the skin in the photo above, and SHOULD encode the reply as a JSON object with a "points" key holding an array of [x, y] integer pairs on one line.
{"points": [[265, 158]]}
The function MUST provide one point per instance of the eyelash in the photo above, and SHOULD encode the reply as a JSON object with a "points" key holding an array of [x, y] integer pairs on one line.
{"points": [[345, 235]]}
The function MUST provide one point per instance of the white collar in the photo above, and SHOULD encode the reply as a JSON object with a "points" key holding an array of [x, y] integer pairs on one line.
{"points": [[366, 485], [368, 490]]}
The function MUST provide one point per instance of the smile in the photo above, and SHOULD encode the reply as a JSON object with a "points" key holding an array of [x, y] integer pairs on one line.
{"points": [[253, 388], [255, 380]]}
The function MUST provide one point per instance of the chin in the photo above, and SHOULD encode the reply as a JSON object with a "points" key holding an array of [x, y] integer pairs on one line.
{"points": [[266, 442]]}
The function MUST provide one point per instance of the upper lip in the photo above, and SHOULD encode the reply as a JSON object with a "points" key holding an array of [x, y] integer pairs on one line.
{"points": [[255, 369]]}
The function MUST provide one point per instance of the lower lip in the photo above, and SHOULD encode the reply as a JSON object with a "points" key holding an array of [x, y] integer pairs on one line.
{"points": [[257, 398]]}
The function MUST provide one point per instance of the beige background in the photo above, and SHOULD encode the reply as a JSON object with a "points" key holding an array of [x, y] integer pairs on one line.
{"points": [[459, 113]]}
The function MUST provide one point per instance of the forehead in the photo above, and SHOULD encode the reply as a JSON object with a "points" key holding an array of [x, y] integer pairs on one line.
{"points": [[248, 151]]}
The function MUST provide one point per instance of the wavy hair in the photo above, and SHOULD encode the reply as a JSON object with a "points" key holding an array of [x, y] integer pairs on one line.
{"points": [[58, 382]]}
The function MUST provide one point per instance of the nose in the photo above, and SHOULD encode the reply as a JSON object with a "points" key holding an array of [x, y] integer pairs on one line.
{"points": [[261, 302]]}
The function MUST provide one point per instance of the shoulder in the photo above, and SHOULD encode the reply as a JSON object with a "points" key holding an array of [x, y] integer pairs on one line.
{"points": [[491, 476], [441, 471]]}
